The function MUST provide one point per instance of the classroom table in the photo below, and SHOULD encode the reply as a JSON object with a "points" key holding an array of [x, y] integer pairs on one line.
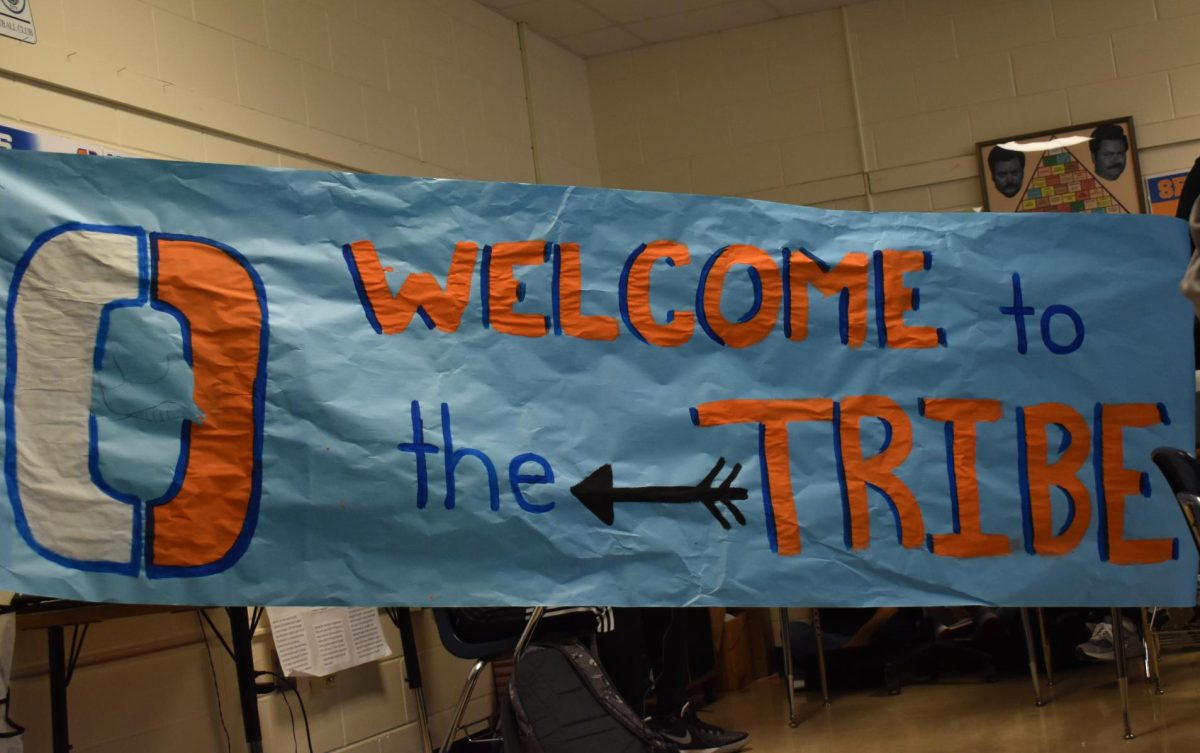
{"points": [[53, 615]]}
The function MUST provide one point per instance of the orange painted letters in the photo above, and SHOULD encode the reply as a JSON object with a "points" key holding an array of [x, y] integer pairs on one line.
{"points": [[502, 288], [899, 299], [225, 352], [742, 334], [574, 322], [1118, 482], [636, 296], [773, 417], [848, 277], [1041, 476], [859, 472], [444, 308], [963, 418]]}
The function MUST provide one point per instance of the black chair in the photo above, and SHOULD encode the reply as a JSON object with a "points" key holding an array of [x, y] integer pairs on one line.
{"points": [[466, 639], [1182, 471], [932, 658], [491, 633]]}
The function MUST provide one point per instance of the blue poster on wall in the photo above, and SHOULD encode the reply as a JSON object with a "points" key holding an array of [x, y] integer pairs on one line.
{"points": [[229, 385]]}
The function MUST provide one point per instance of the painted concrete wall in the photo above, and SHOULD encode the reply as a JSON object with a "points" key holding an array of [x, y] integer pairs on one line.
{"points": [[769, 111]]}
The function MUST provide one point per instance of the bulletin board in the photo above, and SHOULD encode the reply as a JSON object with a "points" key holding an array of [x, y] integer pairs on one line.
{"points": [[1087, 168]]}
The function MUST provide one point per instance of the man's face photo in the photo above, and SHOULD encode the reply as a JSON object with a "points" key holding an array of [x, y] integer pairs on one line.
{"points": [[1008, 175], [1109, 146], [1109, 159]]}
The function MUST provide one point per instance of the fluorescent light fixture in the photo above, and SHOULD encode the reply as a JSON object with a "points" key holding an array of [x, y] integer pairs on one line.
{"points": [[1042, 146]]}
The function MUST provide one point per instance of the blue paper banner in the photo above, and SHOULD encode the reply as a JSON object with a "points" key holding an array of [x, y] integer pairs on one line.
{"points": [[231, 385]]}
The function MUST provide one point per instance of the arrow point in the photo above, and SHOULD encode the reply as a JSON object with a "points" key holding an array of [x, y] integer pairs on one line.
{"points": [[600, 479], [595, 493]]}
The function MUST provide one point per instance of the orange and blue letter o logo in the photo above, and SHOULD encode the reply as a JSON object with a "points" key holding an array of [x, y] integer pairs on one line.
{"points": [[64, 292]]}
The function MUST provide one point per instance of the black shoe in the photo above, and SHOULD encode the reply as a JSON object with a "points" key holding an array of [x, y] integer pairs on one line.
{"points": [[695, 736]]}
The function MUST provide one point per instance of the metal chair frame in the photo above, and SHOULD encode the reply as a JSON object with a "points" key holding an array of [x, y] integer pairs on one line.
{"points": [[484, 654]]}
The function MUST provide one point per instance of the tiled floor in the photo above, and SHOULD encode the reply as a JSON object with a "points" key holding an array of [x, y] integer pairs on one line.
{"points": [[1083, 714]]}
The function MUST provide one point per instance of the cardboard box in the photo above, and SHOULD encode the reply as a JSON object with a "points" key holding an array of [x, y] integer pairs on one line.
{"points": [[733, 660], [760, 641], [716, 616]]}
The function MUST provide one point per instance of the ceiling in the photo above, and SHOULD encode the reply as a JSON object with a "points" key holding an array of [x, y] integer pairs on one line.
{"points": [[595, 27]]}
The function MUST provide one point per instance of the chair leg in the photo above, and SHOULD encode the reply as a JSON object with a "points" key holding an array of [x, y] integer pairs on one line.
{"points": [[1033, 672], [816, 615], [1150, 646], [461, 708], [789, 668], [1045, 647], [1118, 624], [527, 634]]}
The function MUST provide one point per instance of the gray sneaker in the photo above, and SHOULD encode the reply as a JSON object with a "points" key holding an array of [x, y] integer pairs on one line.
{"points": [[1101, 646]]}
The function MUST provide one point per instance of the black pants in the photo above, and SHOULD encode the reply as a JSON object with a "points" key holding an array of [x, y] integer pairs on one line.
{"points": [[648, 643]]}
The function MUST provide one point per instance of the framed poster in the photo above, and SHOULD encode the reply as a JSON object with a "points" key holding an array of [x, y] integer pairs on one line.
{"points": [[1081, 168]]}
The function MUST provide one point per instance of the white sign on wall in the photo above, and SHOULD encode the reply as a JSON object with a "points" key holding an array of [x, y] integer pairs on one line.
{"points": [[16, 20]]}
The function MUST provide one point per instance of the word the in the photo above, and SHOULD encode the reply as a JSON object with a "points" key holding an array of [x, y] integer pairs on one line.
{"points": [[453, 456]]}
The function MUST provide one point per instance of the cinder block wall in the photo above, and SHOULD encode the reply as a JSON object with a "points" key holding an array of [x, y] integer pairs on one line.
{"points": [[412, 87], [768, 111], [146, 685], [765, 111]]}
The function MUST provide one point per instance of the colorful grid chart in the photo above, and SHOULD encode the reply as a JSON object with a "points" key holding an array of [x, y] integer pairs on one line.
{"points": [[1062, 184]]}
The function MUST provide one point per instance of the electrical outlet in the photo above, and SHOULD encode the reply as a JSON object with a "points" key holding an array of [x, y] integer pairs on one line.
{"points": [[319, 685]]}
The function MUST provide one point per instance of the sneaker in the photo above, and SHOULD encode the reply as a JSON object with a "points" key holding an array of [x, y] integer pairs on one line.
{"points": [[956, 631], [991, 628], [1100, 647], [694, 736]]}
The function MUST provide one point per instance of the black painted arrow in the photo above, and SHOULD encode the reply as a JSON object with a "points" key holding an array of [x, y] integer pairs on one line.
{"points": [[598, 494]]}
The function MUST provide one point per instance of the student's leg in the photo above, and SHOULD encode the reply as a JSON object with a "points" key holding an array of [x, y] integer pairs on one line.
{"points": [[622, 652], [667, 646]]}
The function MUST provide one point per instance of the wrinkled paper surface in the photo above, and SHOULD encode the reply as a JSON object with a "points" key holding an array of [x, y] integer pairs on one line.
{"points": [[335, 518]]}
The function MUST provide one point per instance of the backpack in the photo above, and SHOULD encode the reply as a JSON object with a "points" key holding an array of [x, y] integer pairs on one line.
{"points": [[560, 700]]}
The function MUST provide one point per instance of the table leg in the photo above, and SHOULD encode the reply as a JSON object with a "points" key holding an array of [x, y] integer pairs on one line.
{"points": [[60, 735], [402, 619], [243, 658]]}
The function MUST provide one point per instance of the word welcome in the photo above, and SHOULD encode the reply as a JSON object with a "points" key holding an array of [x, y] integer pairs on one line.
{"points": [[778, 287]]}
